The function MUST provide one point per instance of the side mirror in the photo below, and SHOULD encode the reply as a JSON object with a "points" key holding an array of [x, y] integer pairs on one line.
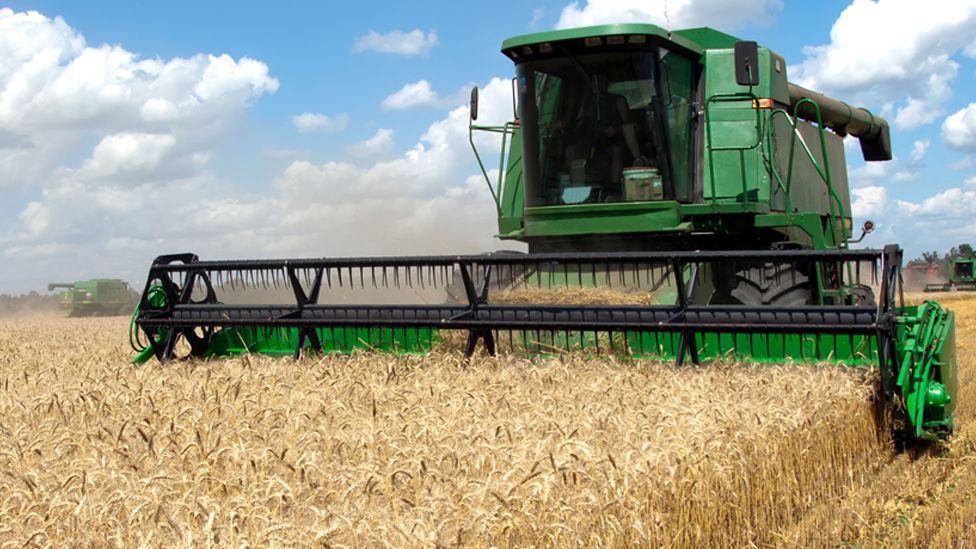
{"points": [[515, 110], [474, 103], [746, 63]]}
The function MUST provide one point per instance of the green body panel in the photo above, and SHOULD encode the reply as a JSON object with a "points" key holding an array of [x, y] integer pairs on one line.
{"points": [[732, 166], [510, 208], [278, 341], [625, 217], [758, 348], [708, 38], [764, 348]]}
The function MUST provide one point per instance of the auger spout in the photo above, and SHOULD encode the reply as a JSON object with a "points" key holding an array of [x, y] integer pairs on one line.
{"points": [[871, 130]]}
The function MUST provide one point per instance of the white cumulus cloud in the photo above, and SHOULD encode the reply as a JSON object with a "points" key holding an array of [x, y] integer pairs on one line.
{"points": [[57, 93], [108, 146], [959, 128], [869, 202], [411, 96], [722, 14], [893, 52], [377, 146], [919, 148], [122, 206], [128, 153], [310, 122], [412, 43], [939, 221], [963, 163], [421, 94]]}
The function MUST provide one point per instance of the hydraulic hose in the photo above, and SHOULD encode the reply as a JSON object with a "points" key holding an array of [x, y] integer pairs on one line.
{"points": [[156, 297]]}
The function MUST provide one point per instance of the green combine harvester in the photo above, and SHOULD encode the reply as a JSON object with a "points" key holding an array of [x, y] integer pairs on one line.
{"points": [[677, 165], [961, 276], [97, 297]]}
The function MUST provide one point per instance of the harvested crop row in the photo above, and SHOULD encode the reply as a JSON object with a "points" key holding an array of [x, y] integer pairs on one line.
{"points": [[412, 451]]}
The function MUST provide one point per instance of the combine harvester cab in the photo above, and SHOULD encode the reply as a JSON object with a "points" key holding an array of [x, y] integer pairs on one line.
{"points": [[680, 200]]}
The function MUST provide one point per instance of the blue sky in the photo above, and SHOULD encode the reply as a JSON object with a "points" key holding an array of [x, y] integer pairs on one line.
{"points": [[165, 127]]}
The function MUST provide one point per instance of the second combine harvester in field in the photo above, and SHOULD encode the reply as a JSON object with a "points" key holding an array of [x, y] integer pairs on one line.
{"points": [[679, 164]]}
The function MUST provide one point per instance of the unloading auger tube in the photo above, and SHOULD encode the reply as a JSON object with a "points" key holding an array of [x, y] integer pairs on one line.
{"points": [[912, 346], [872, 131]]}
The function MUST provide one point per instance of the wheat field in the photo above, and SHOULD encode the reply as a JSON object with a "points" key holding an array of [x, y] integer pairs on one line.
{"points": [[374, 450]]}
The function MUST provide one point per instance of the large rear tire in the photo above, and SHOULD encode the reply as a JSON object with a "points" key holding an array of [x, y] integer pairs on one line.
{"points": [[770, 284]]}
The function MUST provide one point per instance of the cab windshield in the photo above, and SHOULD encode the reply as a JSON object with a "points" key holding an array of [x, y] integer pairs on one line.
{"points": [[606, 127]]}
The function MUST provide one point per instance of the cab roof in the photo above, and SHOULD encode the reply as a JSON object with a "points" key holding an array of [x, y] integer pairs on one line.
{"points": [[694, 41]]}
